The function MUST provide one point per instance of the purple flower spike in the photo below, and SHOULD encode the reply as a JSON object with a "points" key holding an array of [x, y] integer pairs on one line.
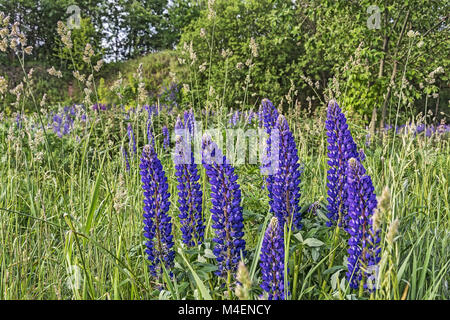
{"points": [[125, 156], [131, 137], [234, 118], [157, 223], [341, 148], [189, 192], [284, 186], [267, 117], [250, 116], [272, 261], [364, 251], [150, 137], [226, 209], [269, 114], [189, 121], [166, 142]]}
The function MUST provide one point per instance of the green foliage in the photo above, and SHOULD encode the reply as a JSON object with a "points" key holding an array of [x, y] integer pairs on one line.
{"points": [[158, 70], [325, 47], [80, 216], [272, 24], [81, 36], [38, 20], [139, 27]]}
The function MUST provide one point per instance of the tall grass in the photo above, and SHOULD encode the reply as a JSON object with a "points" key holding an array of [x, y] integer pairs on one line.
{"points": [[75, 230], [71, 222]]}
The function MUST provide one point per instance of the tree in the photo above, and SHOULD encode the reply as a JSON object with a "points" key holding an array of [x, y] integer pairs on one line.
{"points": [[326, 47], [38, 20]]}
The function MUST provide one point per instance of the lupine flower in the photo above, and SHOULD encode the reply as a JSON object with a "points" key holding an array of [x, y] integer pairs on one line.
{"points": [[63, 122], [250, 116], [125, 156], [165, 132], [285, 189], [234, 118], [189, 192], [131, 137], [272, 261], [99, 106], [68, 124], [269, 114], [364, 251], [260, 116], [19, 121], [189, 121], [341, 148], [226, 208], [57, 122], [368, 139], [169, 95], [150, 137], [157, 223]]}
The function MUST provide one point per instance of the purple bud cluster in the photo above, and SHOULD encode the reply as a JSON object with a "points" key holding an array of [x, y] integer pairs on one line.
{"points": [[189, 121], [62, 123], [131, 138], [166, 141], [272, 261], [125, 157]]}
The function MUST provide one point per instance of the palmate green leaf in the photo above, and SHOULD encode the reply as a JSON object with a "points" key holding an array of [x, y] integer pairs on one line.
{"points": [[205, 267], [335, 279], [312, 242], [299, 237], [333, 269], [200, 286]]}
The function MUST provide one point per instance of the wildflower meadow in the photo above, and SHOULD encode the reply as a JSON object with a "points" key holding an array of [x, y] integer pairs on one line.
{"points": [[198, 161]]}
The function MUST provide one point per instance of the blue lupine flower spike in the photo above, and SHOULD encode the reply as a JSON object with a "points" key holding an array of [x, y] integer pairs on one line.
{"points": [[285, 189], [341, 148], [272, 261], [189, 192], [157, 223], [269, 114], [131, 137], [364, 251], [267, 118], [125, 156], [226, 209], [166, 141]]}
